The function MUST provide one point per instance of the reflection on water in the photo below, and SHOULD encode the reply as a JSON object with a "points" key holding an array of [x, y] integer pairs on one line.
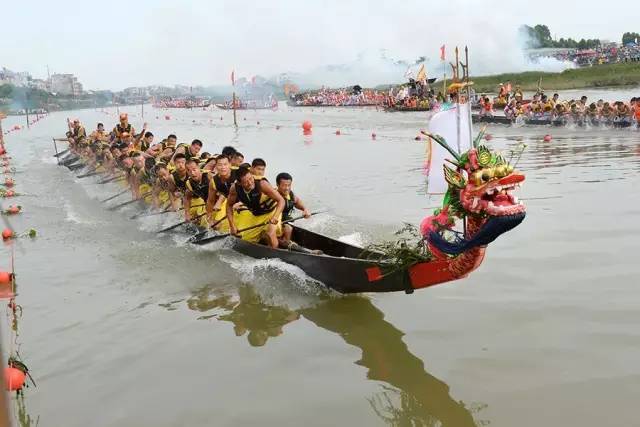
{"points": [[410, 397]]}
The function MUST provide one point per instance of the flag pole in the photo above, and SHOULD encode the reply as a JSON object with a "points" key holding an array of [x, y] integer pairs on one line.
{"points": [[466, 61], [458, 102]]}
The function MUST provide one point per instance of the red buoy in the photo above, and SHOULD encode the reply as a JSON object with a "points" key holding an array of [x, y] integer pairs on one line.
{"points": [[338, 132], [7, 233], [306, 126], [13, 378], [488, 137], [9, 193], [13, 209], [8, 182], [547, 138], [5, 277]]}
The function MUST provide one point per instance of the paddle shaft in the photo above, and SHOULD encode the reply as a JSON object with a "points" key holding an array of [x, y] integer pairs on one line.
{"points": [[115, 195], [164, 211], [198, 236], [121, 205], [106, 181], [55, 147], [174, 226], [222, 236]]}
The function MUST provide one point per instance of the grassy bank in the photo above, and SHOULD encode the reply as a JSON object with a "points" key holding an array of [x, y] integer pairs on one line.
{"points": [[623, 74]]}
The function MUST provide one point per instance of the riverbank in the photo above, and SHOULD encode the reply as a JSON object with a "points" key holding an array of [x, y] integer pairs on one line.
{"points": [[610, 75]]}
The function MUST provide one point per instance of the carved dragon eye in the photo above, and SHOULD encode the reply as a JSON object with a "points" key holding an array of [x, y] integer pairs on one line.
{"points": [[488, 173], [501, 171]]}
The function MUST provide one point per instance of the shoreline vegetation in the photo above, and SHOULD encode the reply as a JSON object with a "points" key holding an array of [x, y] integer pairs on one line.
{"points": [[597, 76]]}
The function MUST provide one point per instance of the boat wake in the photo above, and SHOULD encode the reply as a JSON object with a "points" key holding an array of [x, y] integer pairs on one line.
{"points": [[273, 277]]}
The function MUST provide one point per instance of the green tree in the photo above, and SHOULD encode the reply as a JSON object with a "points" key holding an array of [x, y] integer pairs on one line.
{"points": [[630, 38], [6, 90]]}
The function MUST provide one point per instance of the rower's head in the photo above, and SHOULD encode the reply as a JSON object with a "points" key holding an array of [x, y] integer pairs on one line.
{"points": [[138, 160], [124, 118], [284, 181], [172, 140], [125, 137], [193, 170], [161, 171], [100, 127], [195, 147], [148, 138], [246, 180], [583, 99], [223, 165], [258, 167], [228, 151], [126, 161], [237, 159], [180, 162], [555, 96]]}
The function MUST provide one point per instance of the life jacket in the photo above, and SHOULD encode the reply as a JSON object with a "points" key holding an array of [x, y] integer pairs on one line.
{"points": [[119, 130], [144, 145], [144, 176], [257, 203], [223, 187], [187, 152], [79, 132], [637, 112], [181, 183], [289, 205], [200, 189]]}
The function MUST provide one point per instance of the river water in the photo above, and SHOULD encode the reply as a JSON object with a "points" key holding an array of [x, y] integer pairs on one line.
{"points": [[121, 327]]}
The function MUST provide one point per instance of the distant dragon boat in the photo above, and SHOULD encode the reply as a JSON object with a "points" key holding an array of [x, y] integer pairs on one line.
{"points": [[561, 121]]}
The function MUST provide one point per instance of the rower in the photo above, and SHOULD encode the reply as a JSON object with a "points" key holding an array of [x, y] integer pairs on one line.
{"points": [[190, 151], [264, 209], [291, 201], [179, 176], [259, 168], [219, 192], [197, 193], [163, 188], [237, 159], [143, 179], [99, 134], [78, 131], [164, 149], [143, 144], [123, 126]]}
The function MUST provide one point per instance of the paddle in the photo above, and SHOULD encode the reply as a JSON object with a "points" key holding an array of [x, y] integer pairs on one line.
{"points": [[70, 160], [115, 195], [113, 178], [76, 166], [201, 234], [166, 210], [174, 226], [61, 153], [121, 205], [90, 173], [222, 236]]}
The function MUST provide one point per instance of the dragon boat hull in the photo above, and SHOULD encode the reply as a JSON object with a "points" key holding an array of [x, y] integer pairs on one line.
{"points": [[346, 269]]}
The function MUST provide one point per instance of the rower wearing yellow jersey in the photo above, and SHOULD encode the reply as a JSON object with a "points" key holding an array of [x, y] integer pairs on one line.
{"points": [[123, 126], [198, 187], [180, 176], [163, 188], [219, 192], [142, 180], [190, 151], [264, 205], [284, 182]]}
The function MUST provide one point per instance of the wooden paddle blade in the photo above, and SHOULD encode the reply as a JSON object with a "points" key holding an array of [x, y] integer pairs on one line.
{"points": [[61, 153]]}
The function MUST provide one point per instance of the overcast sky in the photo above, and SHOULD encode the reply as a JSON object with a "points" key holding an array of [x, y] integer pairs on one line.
{"points": [[116, 43]]}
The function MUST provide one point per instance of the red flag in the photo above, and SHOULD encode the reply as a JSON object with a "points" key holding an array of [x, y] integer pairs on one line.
{"points": [[233, 79], [442, 53]]}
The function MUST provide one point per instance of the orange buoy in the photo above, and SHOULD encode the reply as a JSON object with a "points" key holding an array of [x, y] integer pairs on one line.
{"points": [[7, 233], [338, 132], [306, 126], [5, 277], [14, 378], [547, 138]]}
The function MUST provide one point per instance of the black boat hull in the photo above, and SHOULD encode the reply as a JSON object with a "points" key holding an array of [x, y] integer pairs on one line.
{"points": [[340, 268]]}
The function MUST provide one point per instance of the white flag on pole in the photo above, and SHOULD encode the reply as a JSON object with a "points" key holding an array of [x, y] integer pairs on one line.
{"points": [[445, 124]]}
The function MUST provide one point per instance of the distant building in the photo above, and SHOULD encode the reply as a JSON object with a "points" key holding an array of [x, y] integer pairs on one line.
{"points": [[65, 84], [14, 78], [39, 84]]}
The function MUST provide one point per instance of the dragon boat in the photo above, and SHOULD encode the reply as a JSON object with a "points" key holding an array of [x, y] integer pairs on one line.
{"points": [[564, 121], [480, 194]]}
